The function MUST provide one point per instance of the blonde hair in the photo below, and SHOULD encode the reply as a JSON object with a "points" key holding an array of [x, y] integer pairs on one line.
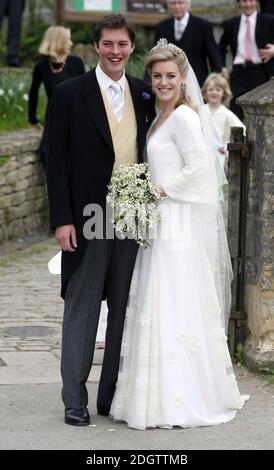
{"points": [[54, 43], [218, 80], [164, 52]]}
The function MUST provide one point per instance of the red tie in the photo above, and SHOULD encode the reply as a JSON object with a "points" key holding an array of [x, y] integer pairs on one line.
{"points": [[248, 42]]}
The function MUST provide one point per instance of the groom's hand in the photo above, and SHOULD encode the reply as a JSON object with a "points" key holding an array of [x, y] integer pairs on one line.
{"points": [[66, 237]]}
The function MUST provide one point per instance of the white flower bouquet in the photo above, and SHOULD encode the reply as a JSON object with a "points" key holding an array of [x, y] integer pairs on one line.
{"points": [[133, 198]]}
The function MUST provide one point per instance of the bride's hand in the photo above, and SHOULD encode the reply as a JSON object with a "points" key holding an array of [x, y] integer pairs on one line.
{"points": [[161, 190]]}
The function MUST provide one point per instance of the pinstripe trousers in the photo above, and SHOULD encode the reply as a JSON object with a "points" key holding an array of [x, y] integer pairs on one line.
{"points": [[106, 266]]}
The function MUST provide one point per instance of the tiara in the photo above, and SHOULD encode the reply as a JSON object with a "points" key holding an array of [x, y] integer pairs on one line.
{"points": [[163, 45]]}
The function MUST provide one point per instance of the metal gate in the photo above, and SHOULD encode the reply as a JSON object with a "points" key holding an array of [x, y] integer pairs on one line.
{"points": [[240, 157]]}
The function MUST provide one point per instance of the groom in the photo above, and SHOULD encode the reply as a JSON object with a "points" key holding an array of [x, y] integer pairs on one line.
{"points": [[93, 128]]}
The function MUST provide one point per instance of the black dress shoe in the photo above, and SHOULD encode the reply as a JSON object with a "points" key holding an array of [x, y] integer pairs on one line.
{"points": [[103, 410], [77, 416], [14, 62]]}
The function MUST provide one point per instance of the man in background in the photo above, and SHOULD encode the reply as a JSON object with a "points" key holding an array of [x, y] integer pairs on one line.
{"points": [[192, 34], [13, 9], [248, 36], [267, 6]]}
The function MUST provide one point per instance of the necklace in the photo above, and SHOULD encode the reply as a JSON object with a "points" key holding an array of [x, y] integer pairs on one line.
{"points": [[56, 67]]}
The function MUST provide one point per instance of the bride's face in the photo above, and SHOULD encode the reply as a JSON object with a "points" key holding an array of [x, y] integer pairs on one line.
{"points": [[166, 80]]}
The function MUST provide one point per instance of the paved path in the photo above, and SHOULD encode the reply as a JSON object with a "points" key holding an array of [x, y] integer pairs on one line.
{"points": [[31, 317], [31, 412]]}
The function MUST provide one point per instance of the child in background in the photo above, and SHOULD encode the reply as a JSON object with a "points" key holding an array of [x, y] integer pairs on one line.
{"points": [[216, 91]]}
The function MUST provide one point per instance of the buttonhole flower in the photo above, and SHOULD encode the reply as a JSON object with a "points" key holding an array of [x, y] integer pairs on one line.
{"points": [[145, 95]]}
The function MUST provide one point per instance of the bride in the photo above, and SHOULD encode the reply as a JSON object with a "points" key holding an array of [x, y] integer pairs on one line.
{"points": [[175, 366]]}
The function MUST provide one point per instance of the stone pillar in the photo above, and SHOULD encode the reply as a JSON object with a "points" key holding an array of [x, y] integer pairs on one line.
{"points": [[258, 105]]}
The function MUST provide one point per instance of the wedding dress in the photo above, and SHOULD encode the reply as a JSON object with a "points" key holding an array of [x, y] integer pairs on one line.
{"points": [[175, 365]]}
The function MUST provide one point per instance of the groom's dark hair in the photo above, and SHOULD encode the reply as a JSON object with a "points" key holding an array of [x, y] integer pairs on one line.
{"points": [[114, 21]]}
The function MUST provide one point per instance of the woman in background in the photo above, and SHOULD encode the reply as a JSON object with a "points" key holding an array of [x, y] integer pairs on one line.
{"points": [[56, 66]]}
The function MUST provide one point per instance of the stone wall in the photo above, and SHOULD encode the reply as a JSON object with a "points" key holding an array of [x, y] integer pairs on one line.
{"points": [[23, 199], [259, 242]]}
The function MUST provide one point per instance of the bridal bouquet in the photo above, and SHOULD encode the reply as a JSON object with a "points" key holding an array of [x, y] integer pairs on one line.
{"points": [[132, 198]]}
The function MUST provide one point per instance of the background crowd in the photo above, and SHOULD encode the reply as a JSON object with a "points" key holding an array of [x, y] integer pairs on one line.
{"points": [[247, 37]]}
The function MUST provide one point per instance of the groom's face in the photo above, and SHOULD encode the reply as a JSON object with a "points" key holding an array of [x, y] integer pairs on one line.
{"points": [[114, 49]]}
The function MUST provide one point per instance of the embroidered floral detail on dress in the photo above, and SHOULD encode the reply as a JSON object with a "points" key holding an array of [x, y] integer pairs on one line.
{"points": [[143, 320], [180, 337], [172, 358], [193, 346], [178, 400]]}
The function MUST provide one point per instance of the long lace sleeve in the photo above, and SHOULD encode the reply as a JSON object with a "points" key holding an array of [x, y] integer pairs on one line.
{"points": [[192, 183]]}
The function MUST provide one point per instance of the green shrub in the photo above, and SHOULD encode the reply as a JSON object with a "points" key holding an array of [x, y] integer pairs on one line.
{"points": [[14, 90], [30, 42], [4, 159], [81, 33], [135, 66], [239, 352]]}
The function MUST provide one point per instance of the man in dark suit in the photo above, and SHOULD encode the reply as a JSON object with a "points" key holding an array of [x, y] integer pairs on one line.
{"points": [[267, 6], [13, 9], [192, 34], [83, 148], [247, 35]]}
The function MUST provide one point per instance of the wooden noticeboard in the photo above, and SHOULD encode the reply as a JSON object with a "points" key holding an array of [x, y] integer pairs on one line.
{"points": [[146, 13]]}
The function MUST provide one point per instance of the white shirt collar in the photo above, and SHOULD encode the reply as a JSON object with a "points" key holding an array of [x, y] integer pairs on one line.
{"points": [[105, 81], [252, 17], [184, 20]]}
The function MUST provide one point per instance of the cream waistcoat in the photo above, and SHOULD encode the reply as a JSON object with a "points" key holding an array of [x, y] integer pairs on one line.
{"points": [[123, 133]]}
